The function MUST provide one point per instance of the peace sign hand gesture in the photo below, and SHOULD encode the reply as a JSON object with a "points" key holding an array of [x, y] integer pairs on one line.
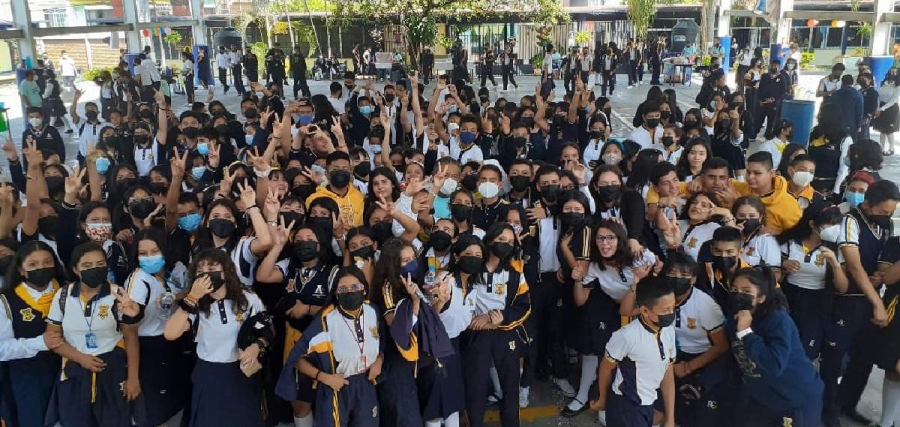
{"points": [[411, 287]]}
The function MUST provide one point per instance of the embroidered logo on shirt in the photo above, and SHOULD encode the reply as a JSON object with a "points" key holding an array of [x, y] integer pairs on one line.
{"points": [[239, 317], [692, 243], [691, 323], [751, 250], [512, 345], [500, 289], [27, 314], [820, 260], [375, 411], [787, 422], [103, 311], [374, 331]]}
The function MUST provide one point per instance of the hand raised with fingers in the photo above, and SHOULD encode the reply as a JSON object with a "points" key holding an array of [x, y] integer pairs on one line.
{"points": [[10, 150], [75, 181], [248, 194], [212, 156], [411, 287], [272, 205], [178, 164], [282, 233]]}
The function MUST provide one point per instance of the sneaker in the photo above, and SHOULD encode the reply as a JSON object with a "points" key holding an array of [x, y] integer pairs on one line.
{"points": [[563, 385], [523, 397], [629, 87], [494, 399]]}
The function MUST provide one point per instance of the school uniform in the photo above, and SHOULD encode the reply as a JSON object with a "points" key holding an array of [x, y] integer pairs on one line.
{"points": [[222, 395], [336, 343], [398, 395], [162, 385], [780, 385], [33, 370], [310, 286], [642, 353], [761, 248], [695, 235], [809, 292], [88, 398], [245, 261], [548, 296], [716, 284], [504, 289], [698, 398]]}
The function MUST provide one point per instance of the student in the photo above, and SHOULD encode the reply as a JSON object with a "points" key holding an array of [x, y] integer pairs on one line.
{"points": [[699, 218], [812, 272], [726, 250], [780, 385], [882, 342], [97, 323], [501, 302], [760, 247], [801, 173], [638, 362], [217, 307], [782, 209], [27, 294], [342, 351]]}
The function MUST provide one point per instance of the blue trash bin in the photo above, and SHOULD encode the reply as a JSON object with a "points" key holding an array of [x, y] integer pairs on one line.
{"points": [[880, 66], [801, 114]]}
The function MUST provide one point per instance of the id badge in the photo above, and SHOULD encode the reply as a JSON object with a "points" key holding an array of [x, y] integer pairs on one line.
{"points": [[90, 340]]}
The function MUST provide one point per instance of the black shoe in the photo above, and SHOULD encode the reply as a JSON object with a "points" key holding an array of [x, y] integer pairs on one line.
{"points": [[853, 415], [565, 412]]}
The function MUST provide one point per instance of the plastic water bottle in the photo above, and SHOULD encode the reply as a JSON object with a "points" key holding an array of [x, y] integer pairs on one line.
{"points": [[165, 304], [430, 282]]}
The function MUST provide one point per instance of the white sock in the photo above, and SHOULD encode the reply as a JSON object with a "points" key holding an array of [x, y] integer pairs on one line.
{"points": [[433, 423], [890, 138], [306, 421], [452, 420], [890, 402], [495, 380], [589, 365]]}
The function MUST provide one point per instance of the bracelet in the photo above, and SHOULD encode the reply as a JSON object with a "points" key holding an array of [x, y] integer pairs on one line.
{"points": [[190, 299], [187, 307], [263, 173], [317, 375], [251, 207], [162, 109]]}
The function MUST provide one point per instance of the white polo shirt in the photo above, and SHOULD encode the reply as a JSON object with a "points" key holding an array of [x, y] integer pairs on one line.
{"points": [[762, 248], [592, 153], [88, 326], [346, 335], [548, 238], [696, 236], [457, 315], [616, 282], [146, 290], [813, 266], [491, 293], [697, 317], [643, 356], [470, 154], [217, 332], [648, 138]]}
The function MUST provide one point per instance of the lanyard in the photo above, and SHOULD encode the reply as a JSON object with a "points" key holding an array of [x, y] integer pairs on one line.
{"points": [[358, 333], [89, 319]]}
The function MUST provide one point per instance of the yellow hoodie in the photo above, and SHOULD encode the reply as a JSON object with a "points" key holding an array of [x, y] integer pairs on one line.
{"points": [[351, 205], [782, 209]]}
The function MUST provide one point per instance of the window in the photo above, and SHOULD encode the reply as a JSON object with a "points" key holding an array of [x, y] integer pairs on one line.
{"points": [[56, 17]]}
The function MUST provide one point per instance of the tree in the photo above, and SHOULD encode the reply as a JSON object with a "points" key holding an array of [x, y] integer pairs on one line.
{"points": [[420, 17]]}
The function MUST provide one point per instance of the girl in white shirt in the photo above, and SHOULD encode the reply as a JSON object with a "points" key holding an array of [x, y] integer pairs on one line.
{"points": [[760, 247]]}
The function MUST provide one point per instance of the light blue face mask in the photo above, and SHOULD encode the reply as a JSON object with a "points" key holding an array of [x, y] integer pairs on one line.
{"points": [[152, 264], [366, 110], [452, 109], [102, 164], [189, 222], [249, 139], [203, 148], [198, 171], [305, 119], [853, 198]]}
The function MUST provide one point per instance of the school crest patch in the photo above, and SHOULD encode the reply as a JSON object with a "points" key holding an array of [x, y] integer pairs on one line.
{"points": [[820, 260], [374, 331], [103, 311], [692, 243], [787, 422], [27, 314], [691, 323], [500, 289], [239, 317], [751, 250], [512, 345]]}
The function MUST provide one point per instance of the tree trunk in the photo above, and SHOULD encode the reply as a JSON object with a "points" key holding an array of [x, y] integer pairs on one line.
{"points": [[412, 51], [313, 25]]}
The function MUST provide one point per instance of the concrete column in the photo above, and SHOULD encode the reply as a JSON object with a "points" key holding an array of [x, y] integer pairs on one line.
{"points": [[133, 37], [22, 18], [724, 28], [198, 30], [881, 31], [782, 25]]}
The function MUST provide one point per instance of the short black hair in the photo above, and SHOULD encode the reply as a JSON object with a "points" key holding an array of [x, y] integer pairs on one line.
{"points": [[335, 156], [803, 158], [650, 290], [847, 80], [727, 234], [679, 261], [882, 191], [714, 163], [763, 157], [660, 170]]}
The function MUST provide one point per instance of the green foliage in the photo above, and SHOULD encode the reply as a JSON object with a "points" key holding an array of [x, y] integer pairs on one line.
{"points": [[806, 58], [537, 61], [173, 39], [259, 49], [92, 74], [582, 38], [641, 12], [420, 31], [864, 30]]}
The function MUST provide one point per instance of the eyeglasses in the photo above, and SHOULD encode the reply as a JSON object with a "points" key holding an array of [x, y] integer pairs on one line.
{"points": [[606, 238], [351, 288]]}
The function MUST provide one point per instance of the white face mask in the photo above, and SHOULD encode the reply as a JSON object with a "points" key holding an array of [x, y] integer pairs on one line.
{"points": [[488, 189], [830, 233], [452, 128], [35, 122], [450, 185], [802, 178]]}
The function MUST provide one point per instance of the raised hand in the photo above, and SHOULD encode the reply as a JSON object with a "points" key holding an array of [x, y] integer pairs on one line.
{"points": [[125, 304], [178, 164], [212, 156], [248, 194], [74, 182], [10, 150], [282, 233], [201, 287], [271, 205], [411, 287]]}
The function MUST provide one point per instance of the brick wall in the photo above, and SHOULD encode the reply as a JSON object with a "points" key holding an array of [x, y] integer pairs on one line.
{"points": [[101, 54]]}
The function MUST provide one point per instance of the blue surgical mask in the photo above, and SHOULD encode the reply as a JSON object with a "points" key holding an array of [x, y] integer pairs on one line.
{"points": [[202, 148], [366, 110], [467, 137], [410, 268], [249, 139], [152, 264], [198, 171], [102, 164], [305, 119], [452, 109], [853, 198], [189, 222]]}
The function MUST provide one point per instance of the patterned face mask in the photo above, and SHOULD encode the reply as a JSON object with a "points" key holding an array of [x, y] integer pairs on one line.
{"points": [[98, 231]]}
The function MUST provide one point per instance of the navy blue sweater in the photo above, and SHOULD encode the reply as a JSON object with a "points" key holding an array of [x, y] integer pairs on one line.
{"points": [[776, 370]]}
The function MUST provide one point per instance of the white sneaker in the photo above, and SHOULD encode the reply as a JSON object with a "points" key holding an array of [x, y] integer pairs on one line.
{"points": [[494, 399], [563, 385], [629, 87], [523, 397]]}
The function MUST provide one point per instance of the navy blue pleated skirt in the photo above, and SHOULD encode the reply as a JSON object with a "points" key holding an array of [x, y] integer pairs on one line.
{"points": [[224, 397], [440, 386]]}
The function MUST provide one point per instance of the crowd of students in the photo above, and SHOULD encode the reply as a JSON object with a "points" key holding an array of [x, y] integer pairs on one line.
{"points": [[410, 256]]}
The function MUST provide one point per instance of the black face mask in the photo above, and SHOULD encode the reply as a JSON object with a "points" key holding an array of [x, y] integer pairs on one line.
{"points": [[502, 250], [290, 217], [724, 124], [122, 185], [440, 240], [527, 121], [550, 192], [304, 191], [339, 179], [609, 193], [559, 121], [382, 231], [141, 139], [305, 251], [251, 113], [190, 132], [223, 130], [40, 277], [146, 114], [216, 278], [518, 142], [724, 263], [5, 263], [596, 134], [142, 208], [363, 169], [159, 188], [460, 212], [665, 320], [470, 182], [389, 97], [680, 285], [572, 219], [667, 141], [221, 227], [750, 225], [883, 221], [55, 184], [94, 277], [47, 224], [737, 105], [470, 264], [664, 115], [652, 123], [738, 301], [690, 123], [519, 182], [351, 301], [365, 252], [91, 115]]}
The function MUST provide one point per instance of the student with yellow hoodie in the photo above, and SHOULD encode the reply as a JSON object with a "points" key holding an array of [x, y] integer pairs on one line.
{"points": [[782, 209], [348, 198]]}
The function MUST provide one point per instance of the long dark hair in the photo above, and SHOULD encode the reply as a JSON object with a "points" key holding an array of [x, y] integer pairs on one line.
{"points": [[643, 165], [683, 168], [789, 151], [583, 201], [762, 277], [156, 235], [204, 235], [388, 268], [79, 252], [495, 231], [819, 213], [458, 248], [623, 256], [350, 270], [233, 288], [14, 277]]}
